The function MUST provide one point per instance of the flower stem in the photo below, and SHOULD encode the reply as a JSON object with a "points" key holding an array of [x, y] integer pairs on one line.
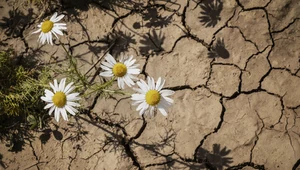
{"points": [[73, 64], [102, 87]]}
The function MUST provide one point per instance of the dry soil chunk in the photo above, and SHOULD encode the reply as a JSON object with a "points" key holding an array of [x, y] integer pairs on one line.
{"points": [[152, 31], [238, 48], [208, 16], [187, 65], [254, 3], [254, 25], [177, 5], [241, 123], [151, 148], [256, 68], [237, 133], [284, 84], [281, 13], [224, 79], [195, 114], [285, 53], [274, 150], [95, 24]]}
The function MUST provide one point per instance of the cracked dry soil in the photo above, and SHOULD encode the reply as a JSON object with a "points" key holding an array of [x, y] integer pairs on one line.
{"points": [[234, 65]]}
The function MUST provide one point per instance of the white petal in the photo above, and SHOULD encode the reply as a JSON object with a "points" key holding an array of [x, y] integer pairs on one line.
{"points": [[70, 90], [49, 93], [53, 32], [151, 110], [110, 59], [161, 84], [138, 97], [53, 87], [68, 87], [64, 114], [48, 106], [46, 99], [152, 83], [134, 66], [106, 74], [53, 17], [169, 100], [142, 86], [69, 103], [56, 85], [73, 109], [122, 59], [143, 105], [57, 27], [56, 114], [58, 18], [73, 97], [166, 92], [62, 84], [158, 83], [106, 68], [138, 90], [51, 110], [162, 111], [68, 108], [47, 39], [128, 81], [37, 31], [144, 108], [59, 24], [149, 82], [133, 77], [43, 38], [130, 62], [50, 38], [108, 65], [57, 31], [137, 102], [133, 71], [120, 83], [162, 107], [165, 103]]}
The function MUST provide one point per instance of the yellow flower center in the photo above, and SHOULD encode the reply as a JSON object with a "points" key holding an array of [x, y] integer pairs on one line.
{"points": [[47, 26], [152, 97], [119, 69], [59, 99]]}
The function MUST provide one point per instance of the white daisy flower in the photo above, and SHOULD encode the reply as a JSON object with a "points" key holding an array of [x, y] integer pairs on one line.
{"points": [[50, 26], [124, 70], [152, 97], [62, 100]]}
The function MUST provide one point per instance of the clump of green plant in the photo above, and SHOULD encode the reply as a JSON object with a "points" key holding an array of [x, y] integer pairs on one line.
{"points": [[20, 91]]}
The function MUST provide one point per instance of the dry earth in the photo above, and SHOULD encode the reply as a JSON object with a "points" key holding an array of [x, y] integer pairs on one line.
{"points": [[234, 65]]}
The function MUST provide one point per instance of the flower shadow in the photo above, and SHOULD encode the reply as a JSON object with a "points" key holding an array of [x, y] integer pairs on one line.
{"points": [[153, 18], [1, 162], [15, 24], [218, 50], [111, 4], [217, 159], [211, 10], [152, 43], [122, 40], [46, 135]]}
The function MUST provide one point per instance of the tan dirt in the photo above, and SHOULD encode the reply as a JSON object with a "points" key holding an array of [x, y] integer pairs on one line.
{"points": [[234, 65]]}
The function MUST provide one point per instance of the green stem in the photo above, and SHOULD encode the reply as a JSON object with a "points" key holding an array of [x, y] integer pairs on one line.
{"points": [[102, 86], [116, 92], [74, 65]]}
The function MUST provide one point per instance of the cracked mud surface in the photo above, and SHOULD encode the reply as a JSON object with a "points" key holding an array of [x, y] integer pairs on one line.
{"points": [[234, 65]]}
